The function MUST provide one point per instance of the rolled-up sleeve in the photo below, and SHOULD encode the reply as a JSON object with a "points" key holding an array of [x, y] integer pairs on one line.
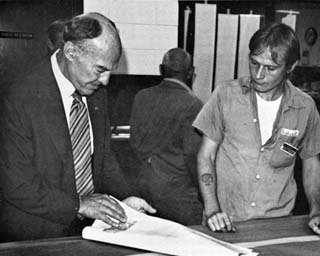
{"points": [[210, 119], [311, 143]]}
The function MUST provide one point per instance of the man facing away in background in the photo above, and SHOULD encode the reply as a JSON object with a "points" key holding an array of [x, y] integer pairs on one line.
{"points": [[165, 142]]}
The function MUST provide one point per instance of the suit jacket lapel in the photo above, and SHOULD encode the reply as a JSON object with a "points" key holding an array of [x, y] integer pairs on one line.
{"points": [[54, 116]]}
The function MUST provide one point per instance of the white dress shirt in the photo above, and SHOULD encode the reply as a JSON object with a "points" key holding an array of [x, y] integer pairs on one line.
{"points": [[66, 90]]}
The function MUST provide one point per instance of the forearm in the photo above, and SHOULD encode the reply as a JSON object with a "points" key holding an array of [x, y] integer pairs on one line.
{"points": [[208, 186], [311, 183], [313, 196], [207, 175]]}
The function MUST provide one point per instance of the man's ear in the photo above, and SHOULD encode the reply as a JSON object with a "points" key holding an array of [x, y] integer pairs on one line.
{"points": [[50, 44], [190, 73], [70, 50]]}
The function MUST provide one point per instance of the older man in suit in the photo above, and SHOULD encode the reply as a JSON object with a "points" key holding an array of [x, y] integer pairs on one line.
{"points": [[57, 170]]}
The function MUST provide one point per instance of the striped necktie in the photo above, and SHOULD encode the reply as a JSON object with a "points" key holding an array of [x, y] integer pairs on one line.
{"points": [[81, 146]]}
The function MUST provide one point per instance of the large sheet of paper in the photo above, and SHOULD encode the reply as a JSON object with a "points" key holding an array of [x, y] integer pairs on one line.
{"points": [[160, 235], [148, 28], [249, 24], [226, 47], [204, 43]]}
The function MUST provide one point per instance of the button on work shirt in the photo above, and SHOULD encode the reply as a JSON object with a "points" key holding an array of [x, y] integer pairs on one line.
{"points": [[255, 180]]}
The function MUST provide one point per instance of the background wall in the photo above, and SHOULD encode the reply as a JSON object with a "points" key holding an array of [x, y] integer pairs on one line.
{"points": [[308, 17], [30, 16], [34, 16]]}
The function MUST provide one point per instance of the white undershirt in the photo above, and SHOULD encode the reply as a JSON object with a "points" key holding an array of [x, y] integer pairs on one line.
{"points": [[267, 112]]}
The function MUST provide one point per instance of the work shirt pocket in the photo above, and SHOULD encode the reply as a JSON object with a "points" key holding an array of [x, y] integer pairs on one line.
{"points": [[284, 154]]}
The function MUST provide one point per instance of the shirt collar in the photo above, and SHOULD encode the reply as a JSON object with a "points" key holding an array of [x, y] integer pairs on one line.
{"points": [[289, 95], [65, 86], [245, 83], [178, 82]]}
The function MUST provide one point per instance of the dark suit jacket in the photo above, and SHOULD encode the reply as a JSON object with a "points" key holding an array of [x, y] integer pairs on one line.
{"points": [[161, 130], [166, 144], [37, 172]]}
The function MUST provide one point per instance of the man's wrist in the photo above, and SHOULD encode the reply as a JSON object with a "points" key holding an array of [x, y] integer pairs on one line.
{"points": [[207, 214], [209, 211], [314, 213]]}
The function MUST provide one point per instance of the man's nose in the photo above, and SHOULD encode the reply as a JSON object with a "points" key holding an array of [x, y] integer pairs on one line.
{"points": [[104, 77], [260, 72]]}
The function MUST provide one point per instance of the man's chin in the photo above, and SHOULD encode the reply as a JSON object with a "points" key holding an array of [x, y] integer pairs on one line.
{"points": [[88, 92], [91, 89], [259, 88]]}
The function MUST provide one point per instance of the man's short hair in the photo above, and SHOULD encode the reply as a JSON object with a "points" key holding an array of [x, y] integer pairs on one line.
{"points": [[55, 33], [80, 28], [176, 61], [280, 39]]}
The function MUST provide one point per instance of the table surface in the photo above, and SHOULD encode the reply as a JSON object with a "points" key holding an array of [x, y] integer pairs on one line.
{"points": [[273, 235]]}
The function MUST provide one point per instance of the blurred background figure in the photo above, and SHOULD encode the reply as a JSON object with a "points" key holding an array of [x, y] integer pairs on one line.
{"points": [[55, 35], [165, 142]]}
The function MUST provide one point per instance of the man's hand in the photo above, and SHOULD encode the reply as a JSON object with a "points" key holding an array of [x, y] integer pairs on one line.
{"points": [[102, 207], [139, 204], [314, 223], [219, 221]]}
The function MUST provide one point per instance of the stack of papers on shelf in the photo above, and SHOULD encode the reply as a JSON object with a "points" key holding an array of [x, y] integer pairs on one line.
{"points": [[163, 236]]}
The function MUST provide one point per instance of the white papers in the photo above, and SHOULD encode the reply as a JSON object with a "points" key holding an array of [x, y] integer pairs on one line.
{"points": [[249, 24], [159, 235], [187, 12], [226, 47], [204, 43], [148, 28], [290, 20]]}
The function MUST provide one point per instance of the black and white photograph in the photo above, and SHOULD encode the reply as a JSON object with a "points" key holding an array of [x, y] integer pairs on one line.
{"points": [[159, 127]]}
